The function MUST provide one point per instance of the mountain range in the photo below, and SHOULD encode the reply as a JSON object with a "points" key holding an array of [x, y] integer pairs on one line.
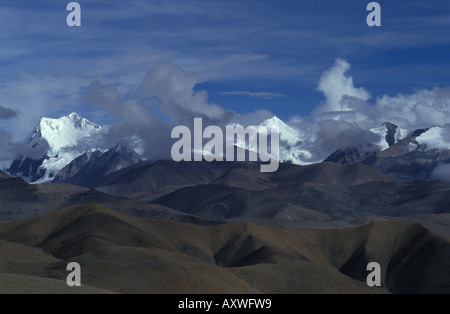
{"points": [[323, 195], [225, 227], [408, 158], [68, 150]]}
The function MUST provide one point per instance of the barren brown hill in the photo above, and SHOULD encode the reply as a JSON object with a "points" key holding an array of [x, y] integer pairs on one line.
{"points": [[20, 200], [145, 177], [436, 222], [312, 201], [285, 200], [331, 173], [23, 284], [122, 253]]}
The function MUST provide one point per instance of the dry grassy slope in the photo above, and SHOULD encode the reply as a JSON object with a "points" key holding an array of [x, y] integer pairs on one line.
{"points": [[122, 253], [19, 200], [22, 284], [437, 222]]}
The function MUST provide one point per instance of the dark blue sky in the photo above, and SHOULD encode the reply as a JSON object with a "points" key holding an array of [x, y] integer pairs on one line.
{"points": [[248, 55]]}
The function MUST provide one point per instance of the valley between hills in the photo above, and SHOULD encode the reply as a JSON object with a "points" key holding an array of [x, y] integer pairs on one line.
{"points": [[126, 254], [227, 228]]}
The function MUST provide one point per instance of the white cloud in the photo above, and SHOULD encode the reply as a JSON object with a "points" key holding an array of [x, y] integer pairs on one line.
{"points": [[435, 137], [345, 117], [167, 90], [135, 121], [423, 108], [333, 135], [343, 120], [34, 96], [345, 102], [335, 85], [175, 87]]}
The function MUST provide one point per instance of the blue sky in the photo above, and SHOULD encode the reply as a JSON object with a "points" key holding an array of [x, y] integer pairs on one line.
{"points": [[247, 55]]}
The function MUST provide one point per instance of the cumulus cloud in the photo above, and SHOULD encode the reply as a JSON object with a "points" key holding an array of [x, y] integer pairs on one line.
{"points": [[165, 98], [436, 137], [23, 149], [33, 96], [136, 122], [433, 138], [335, 84], [10, 149], [333, 135], [175, 88], [345, 116], [423, 108], [345, 102]]}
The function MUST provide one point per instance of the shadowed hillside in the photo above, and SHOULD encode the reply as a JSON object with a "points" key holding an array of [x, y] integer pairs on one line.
{"points": [[20, 200], [122, 253], [3, 175], [143, 177], [311, 201]]}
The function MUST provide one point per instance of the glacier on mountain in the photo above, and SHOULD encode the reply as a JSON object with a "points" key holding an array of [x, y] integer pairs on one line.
{"points": [[64, 139]]}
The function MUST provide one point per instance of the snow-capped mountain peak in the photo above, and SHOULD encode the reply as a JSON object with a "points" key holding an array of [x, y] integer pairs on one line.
{"points": [[390, 134], [287, 133], [291, 139], [66, 131], [53, 144]]}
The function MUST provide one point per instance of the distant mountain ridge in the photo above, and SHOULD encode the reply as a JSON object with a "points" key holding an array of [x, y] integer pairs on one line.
{"points": [[313, 202], [413, 157], [319, 195], [88, 169], [146, 176], [353, 155]]}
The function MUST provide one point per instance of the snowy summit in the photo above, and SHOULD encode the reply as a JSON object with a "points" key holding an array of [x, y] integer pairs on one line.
{"points": [[53, 144]]}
